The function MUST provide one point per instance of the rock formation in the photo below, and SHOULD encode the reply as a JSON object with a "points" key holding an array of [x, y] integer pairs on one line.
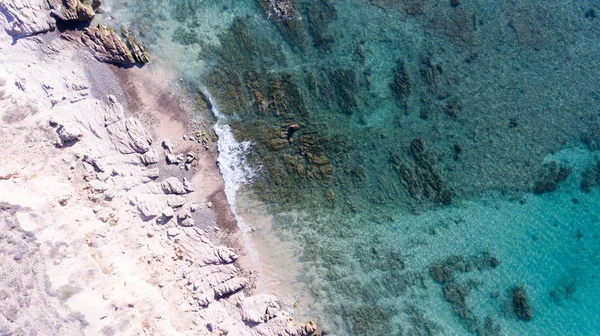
{"points": [[107, 46]]}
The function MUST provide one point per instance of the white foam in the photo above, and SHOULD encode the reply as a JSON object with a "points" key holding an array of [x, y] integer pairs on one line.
{"points": [[235, 171]]}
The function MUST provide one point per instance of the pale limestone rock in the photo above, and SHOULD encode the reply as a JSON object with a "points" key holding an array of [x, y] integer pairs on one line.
{"points": [[175, 201], [171, 159], [260, 308], [188, 222], [168, 212], [172, 232], [173, 186], [187, 185], [27, 17], [150, 157], [69, 133], [129, 136], [98, 186], [230, 286]]}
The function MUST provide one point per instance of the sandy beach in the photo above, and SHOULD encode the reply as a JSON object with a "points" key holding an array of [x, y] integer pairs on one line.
{"points": [[113, 214]]}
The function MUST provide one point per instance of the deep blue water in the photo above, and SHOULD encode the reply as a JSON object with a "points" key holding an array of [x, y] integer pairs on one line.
{"points": [[435, 162]]}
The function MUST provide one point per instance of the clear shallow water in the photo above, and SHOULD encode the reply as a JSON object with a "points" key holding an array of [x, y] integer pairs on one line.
{"points": [[389, 136]]}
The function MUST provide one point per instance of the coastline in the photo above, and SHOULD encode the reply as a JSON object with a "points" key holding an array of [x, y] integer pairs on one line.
{"points": [[72, 186]]}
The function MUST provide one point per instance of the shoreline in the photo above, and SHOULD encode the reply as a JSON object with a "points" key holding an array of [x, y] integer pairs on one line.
{"points": [[177, 252]]}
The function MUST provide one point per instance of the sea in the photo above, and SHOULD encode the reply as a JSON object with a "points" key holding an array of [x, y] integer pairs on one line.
{"points": [[407, 167]]}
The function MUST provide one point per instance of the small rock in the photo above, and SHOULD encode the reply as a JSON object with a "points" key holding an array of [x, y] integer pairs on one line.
{"points": [[454, 3], [150, 157], [175, 201], [189, 158], [194, 206], [168, 146], [98, 186], [173, 186], [171, 159], [109, 194], [187, 185], [102, 176], [68, 134], [188, 222], [149, 234], [168, 212], [183, 213], [209, 204], [172, 232]]}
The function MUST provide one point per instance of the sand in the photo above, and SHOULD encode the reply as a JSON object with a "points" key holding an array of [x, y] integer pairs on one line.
{"points": [[99, 235]]}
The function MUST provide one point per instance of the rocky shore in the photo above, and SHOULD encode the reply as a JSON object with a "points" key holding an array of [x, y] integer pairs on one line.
{"points": [[105, 216]]}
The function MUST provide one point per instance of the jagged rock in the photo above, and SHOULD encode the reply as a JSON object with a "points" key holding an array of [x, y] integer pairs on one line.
{"points": [[98, 186], [167, 145], [27, 17], [130, 136], [69, 133], [148, 208], [107, 46], [189, 157], [171, 159], [175, 201], [150, 157], [187, 185], [183, 213], [71, 10], [137, 49], [172, 232], [225, 254], [188, 222], [173, 186], [229, 287], [259, 308], [168, 212]]}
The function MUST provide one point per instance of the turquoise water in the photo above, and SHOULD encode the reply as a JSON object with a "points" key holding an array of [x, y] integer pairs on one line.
{"points": [[427, 157]]}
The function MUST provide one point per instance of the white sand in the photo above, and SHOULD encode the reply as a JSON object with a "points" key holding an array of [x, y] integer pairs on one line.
{"points": [[84, 247]]}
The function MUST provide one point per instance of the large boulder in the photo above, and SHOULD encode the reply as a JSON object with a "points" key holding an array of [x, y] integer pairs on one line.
{"points": [[71, 10], [26, 17], [107, 46]]}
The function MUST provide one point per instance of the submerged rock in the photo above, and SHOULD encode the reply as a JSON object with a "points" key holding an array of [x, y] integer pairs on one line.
{"points": [[521, 305], [107, 46]]}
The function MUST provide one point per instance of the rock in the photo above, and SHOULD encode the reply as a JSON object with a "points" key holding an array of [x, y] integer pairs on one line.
{"points": [[189, 157], [225, 254], [194, 207], [69, 134], [150, 157], [454, 3], [173, 186], [137, 49], [171, 159], [187, 185], [229, 287], [98, 186], [188, 222], [175, 201], [167, 145], [259, 308], [521, 305], [209, 204], [148, 208], [130, 136], [152, 173], [168, 212], [27, 17], [109, 194], [71, 10], [107, 46], [172, 232], [183, 213]]}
